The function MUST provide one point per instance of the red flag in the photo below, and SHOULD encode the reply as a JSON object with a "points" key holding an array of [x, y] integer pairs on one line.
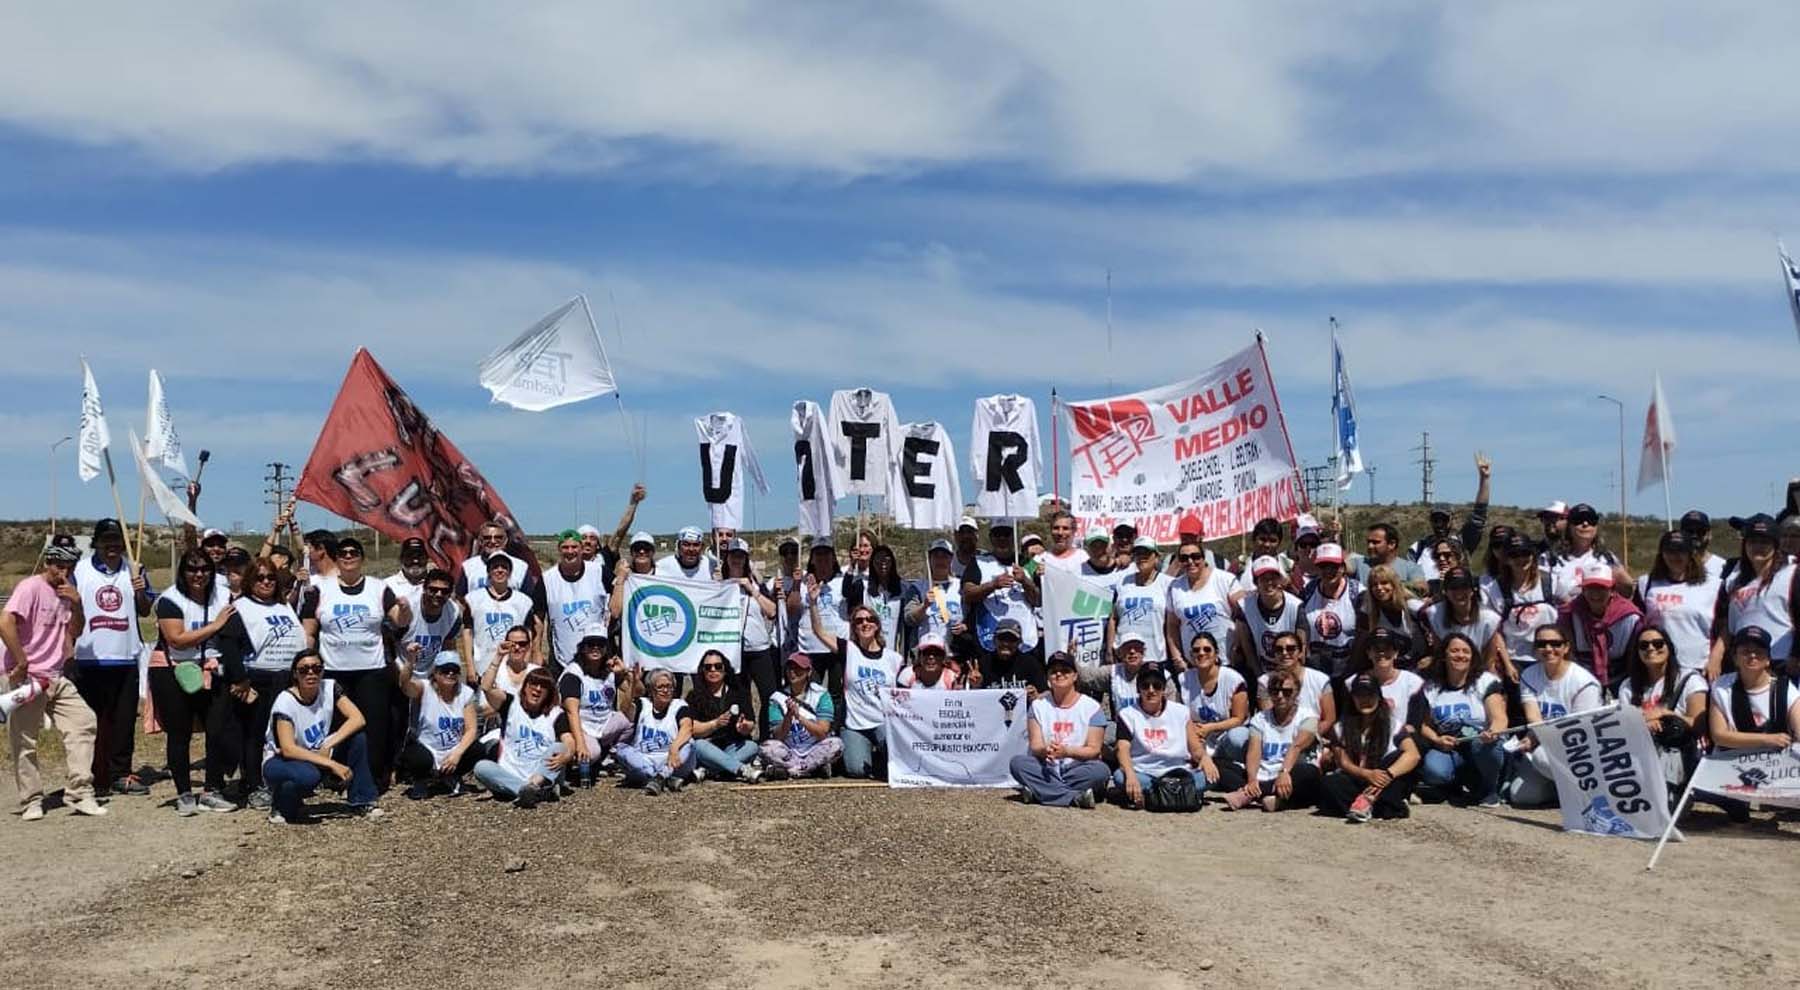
{"points": [[380, 462]]}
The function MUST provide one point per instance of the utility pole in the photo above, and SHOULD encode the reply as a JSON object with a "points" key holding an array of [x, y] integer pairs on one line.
{"points": [[1427, 465], [1370, 471], [279, 490]]}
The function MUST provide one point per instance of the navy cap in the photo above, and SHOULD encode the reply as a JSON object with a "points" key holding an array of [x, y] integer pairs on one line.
{"points": [[1752, 635], [1389, 637], [1759, 526], [1693, 522], [1009, 627], [1364, 684]]}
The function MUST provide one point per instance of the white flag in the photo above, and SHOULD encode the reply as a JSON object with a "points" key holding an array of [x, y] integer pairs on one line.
{"points": [[1343, 417], [724, 450], [1609, 779], [95, 437], [1790, 273], [1659, 439], [556, 362], [670, 623], [170, 503], [1765, 776], [161, 442], [812, 469]]}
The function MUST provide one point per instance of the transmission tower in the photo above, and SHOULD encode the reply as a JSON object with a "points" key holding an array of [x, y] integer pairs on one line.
{"points": [[279, 486], [1427, 465]]}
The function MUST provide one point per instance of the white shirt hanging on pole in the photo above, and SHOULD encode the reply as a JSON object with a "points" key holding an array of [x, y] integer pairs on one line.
{"points": [[555, 362], [1004, 453], [864, 441], [725, 453], [924, 492], [94, 436], [812, 469]]}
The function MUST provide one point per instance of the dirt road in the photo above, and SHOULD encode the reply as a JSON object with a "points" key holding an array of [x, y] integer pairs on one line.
{"points": [[826, 888]]}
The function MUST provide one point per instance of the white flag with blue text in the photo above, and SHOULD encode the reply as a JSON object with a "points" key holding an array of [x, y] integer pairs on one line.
{"points": [[557, 361], [1343, 417]]}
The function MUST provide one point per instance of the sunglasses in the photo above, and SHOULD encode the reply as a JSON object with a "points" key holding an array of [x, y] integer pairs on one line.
{"points": [[1444, 555], [349, 554], [1061, 672], [1646, 645], [310, 668], [1584, 520], [1281, 692], [865, 620], [712, 666], [260, 578], [437, 591], [1158, 688], [1287, 648], [1550, 644], [1188, 558]]}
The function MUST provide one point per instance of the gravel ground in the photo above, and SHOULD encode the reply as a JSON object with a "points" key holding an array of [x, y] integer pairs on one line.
{"points": [[865, 887]]}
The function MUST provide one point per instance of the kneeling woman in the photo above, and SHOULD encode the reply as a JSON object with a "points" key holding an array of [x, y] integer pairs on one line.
{"points": [[1376, 757], [1156, 739], [300, 747], [442, 747], [661, 751], [1281, 739], [536, 743]]}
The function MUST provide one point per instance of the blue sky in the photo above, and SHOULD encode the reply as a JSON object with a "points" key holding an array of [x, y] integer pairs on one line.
{"points": [[1509, 210]]}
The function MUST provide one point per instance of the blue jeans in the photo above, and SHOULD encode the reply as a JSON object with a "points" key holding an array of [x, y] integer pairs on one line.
{"points": [[1146, 780], [1058, 789], [864, 749], [728, 760], [1231, 748], [290, 782], [506, 784], [1473, 766], [640, 766]]}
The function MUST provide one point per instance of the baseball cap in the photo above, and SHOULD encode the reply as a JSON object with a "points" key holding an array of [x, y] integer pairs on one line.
{"points": [[567, 535], [940, 544], [788, 541], [932, 641], [412, 546], [108, 527], [1761, 525], [690, 534], [1438, 509], [1031, 538], [1517, 544], [236, 557], [587, 529], [1364, 684], [801, 660], [737, 544], [1124, 531], [1458, 577], [1306, 526], [1597, 577], [999, 525], [1329, 553], [1144, 543], [1059, 659], [350, 543], [1190, 526], [589, 640], [494, 560], [967, 522], [1126, 639], [1752, 635], [1384, 636], [1677, 541], [1582, 510], [1557, 507], [641, 538], [208, 535], [1266, 565], [447, 659], [1009, 627], [1097, 534]]}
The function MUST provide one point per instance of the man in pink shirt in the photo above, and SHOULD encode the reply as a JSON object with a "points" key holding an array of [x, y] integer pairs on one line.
{"points": [[35, 629]]}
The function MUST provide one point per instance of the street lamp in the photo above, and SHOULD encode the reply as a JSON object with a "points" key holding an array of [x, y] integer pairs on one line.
{"points": [[53, 482], [1624, 531]]}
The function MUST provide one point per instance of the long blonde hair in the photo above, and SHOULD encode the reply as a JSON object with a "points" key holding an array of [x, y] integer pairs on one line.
{"points": [[1403, 595]]}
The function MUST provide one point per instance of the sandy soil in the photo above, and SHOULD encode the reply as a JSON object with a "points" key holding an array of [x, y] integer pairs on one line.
{"points": [[863, 887]]}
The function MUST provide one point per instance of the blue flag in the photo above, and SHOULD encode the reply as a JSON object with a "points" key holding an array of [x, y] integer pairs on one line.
{"points": [[1343, 416]]}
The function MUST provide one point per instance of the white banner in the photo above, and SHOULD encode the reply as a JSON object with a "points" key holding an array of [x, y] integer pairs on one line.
{"points": [[1075, 612], [725, 454], [161, 443], [1212, 449], [1609, 780], [1765, 776], [954, 738], [170, 503], [94, 436], [556, 362], [670, 622]]}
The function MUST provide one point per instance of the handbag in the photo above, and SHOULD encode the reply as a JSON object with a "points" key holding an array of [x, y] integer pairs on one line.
{"points": [[1173, 792]]}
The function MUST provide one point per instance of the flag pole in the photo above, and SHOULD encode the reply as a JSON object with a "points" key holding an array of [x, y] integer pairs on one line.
{"points": [[1337, 443], [118, 506], [637, 457], [1668, 499], [1669, 830]]}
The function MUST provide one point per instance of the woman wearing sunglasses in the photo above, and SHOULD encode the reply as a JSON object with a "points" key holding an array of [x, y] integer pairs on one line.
{"points": [[1316, 694], [1157, 738], [660, 755], [1762, 591], [1551, 688], [442, 747], [345, 616], [300, 746], [1217, 699], [870, 668], [1680, 597], [1281, 740], [724, 726], [596, 693], [257, 648], [1582, 550], [186, 683], [1199, 602], [536, 740], [1671, 697]]}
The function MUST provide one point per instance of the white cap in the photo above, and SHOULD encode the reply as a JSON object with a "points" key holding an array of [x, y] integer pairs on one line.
{"points": [[1097, 534], [587, 529], [1597, 575], [966, 522], [1266, 565], [932, 640], [210, 533], [1144, 543], [642, 537], [1306, 525], [1329, 553], [1125, 639], [1557, 507]]}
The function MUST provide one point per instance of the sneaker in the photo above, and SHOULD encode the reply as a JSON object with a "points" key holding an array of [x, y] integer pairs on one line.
{"points": [[527, 798], [653, 787], [456, 787], [775, 771], [210, 801], [699, 774], [1086, 800], [609, 766], [1490, 802], [675, 783], [1362, 809], [418, 792], [130, 784], [750, 774], [260, 800], [187, 805], [1025, 796], [34, 813], [1271, 803], [367, 812]]}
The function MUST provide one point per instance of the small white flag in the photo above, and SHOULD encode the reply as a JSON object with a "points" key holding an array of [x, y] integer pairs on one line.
{"points": [[95, 438], [1343, 417], [1790, 273], [170, 503], [161, 443], [1659, 439], [554, 363]]}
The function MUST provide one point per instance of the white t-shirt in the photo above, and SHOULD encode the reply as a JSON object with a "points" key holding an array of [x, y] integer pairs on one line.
{"points": [[1398, 694], [489, 621], [576, 609], [1159, 742], [475, 572], [1480, 631], [1003, 603], [1519, 624], [1211, 706], [655, 734], [871, 413], [1124, 686], [1141, 608], [1577, 690], [923, 489], [1206, 608], [670, 566], [434, 636], [1685, 612], [350, 625], [1756, 604], [596, 697], [438, 724], [1466, 705], [1277, 740], [1314, 685], [1565, 575], [1015, 418], [312, 723], [1071, 561], [1759, 701], [526, 739], [866, 680], [1331, 626], [887, 609], [1687, 685], [1263, 629], [812, 706], [943, 606], [1068, 726], [832, 615]]}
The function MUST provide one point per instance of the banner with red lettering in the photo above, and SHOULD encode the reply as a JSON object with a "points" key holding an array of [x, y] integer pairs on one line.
{"points": [[1212, 450], [380, 462]]}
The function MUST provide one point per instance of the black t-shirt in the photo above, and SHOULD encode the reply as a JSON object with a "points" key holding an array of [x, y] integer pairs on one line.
{"points": [[1022, 669], [703, 706]]}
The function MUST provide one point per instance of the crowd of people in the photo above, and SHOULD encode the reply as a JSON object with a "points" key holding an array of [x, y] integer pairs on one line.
{"points": [[1297, 676]]}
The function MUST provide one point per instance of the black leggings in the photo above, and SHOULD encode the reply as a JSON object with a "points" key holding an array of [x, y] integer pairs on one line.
{"points": [[419, 765], [368, 690], [761, 673], [253, 723], [112, 692], [177, 710], [1339, 789]]}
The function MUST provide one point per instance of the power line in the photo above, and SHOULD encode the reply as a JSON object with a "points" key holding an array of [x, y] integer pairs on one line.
{"points": [[278, 490], [1427, 466]]}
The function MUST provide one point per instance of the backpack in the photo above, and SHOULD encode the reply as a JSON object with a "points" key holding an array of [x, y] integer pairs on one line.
{"points": [[1173, 792]]}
